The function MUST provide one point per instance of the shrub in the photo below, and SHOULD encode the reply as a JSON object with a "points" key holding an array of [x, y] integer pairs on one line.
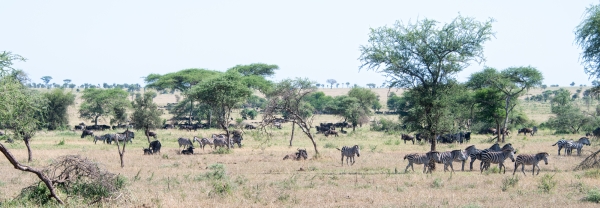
{"points": [[547, 183], [223, 150], [593, 196], [593, 173], [437, 183], [62, 142], [387, 126], [330, 145], [509, 182]]}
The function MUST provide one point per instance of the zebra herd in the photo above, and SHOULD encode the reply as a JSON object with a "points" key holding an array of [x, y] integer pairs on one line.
{"points": [[570, 145]]}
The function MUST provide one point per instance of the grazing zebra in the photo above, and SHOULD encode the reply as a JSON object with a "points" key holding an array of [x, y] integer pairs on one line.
{"points": [[447, 158], [203, 142], [416, 158], [529, 159], [220, 141], [577, 145], [561, 144], [185, 142], [496, 158], [349, 153], [237, 139]]}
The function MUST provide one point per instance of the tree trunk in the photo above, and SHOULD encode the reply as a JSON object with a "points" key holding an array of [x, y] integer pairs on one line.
{"points": [[147, 134], [25, 168], [191, 112], [96, 121], [121, 153], [293, 127], [505, 117], [26, 140]]}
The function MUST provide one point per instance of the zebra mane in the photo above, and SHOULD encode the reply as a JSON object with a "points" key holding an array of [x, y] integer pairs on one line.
{"points": [[470, 147], [542, 153], [456, 151]]}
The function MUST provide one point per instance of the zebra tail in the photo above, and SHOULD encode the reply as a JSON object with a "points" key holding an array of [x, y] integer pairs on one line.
{"points": [[338, 149], [555, 144]]}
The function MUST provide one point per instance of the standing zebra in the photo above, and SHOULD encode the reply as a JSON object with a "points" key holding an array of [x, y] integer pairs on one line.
{"points": [[203, 142], [475, 154], [447, 158], [577, 145], [496, 158], [416, 158], [561, 144], [185, 142], [528, 159], [349, 153]]}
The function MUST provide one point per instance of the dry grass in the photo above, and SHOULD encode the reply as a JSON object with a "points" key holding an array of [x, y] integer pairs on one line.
{"points": [[256, 175]]}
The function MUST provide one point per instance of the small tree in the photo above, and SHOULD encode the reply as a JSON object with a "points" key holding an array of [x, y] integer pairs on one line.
{"points": [[146, 114], [331, 82], [103, 102], [58, 104], [572, 84], [46, 80], [371, 85]]}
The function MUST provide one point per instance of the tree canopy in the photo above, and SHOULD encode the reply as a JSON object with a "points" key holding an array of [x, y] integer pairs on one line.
{"points": [[146, 114], [58, 104], [103, 102], [587, 36], [424, 58]]}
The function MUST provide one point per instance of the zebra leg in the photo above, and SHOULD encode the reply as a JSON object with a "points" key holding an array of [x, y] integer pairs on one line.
{"points": [[463, 165], [409, 164], [516, 166], [451, 167], [538, 166], [559, 147], [471, 165], [342, 160]]}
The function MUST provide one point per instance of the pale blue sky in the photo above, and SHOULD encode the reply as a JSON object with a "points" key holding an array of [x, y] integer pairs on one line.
{"points": [[122, 41]]}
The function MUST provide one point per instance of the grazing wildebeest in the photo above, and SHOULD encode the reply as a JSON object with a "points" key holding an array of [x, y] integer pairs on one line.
{"points": [[407, 137], [168, 126], [249, 126], [185, 142], [300, 155], [188, 151], [525, 131], [154, 147], [147, 151], [331, 132], [151, 134], [86, 133]]}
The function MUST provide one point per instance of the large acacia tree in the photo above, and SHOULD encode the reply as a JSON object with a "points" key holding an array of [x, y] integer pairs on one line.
{"points": [[510, 83], [425, 57], [103, 102], [587, 36], [222, 93]]}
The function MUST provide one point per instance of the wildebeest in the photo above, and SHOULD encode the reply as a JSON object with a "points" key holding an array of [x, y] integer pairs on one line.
{"points": [[249, 126], [185, 142], [525, 131], [188, 151], [147, 151], [167, 126], [300, 155], [407, 137], [331, 132], [154, 146], [86, 133], [151, 134]]}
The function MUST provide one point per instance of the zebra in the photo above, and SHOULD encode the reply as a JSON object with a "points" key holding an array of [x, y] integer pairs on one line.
{"points": [[237, 139], [349, 153], [475, 154], [448, 157], [577, 145], [496, 157], [529, 159], [119, 137], [416, 158], [203, 142], [101, 138], [220, 141], [561, 144], [185, 142]]}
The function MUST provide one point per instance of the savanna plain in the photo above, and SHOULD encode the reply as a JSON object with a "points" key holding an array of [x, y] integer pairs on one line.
{"points": [[256, 176]]}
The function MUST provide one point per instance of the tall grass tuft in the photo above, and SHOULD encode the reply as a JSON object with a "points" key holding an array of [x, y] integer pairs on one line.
{"points": [[547, 183], [509, 182], [593, 196]]}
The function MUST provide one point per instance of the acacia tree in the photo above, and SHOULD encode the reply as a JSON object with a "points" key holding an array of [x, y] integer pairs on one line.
{"points": [[331, 83], [46, 80], [58, 104], [511, 82], [424, 58], [103, 102], [222, 93], [289, 97], [587, 36], [146, 114], [182, 81], [569, 118]]}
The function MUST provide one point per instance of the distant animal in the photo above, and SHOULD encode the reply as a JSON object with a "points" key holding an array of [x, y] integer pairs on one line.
{"points": [[529, 159], [525, 131], [147, 151], [154, 147], [277, 125], [416, 158], [184, 142], [100, 138], [331, 132], [407, 137], [349, 153], [300, 155], [203, 142], [220, 141], [168, 126], [488, 158], [86, 133], [578, 145], [237, 138], [249, 126], [561, 144], [468, 136], [188, 151], [151, 134]]}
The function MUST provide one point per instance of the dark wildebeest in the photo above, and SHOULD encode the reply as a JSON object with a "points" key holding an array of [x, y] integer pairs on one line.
{"points": [[406, 137], [168, 126], [154, 146], [331, 132], [151, 134], [147, 151], [86, 133], [300, 155], [237, 138], [188, 151], [525, 131]]}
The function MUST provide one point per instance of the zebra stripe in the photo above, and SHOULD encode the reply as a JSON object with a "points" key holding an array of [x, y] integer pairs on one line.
{"points": [[576, 145], [185, 142], [475, 154], [561, 144], [349, 153], [448, 157], [496, 158], [529, 159]]}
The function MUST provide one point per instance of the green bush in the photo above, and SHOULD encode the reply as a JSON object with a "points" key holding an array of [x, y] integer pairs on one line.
{"points": [[387, 126], [593, 196], [509, 182], [593, 173], [218, 178], [330, 145], [437, 183], [547, 183], [223, 150]]}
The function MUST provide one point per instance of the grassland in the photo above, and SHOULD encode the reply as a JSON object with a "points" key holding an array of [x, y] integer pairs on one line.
{"points": [[256, 175]]}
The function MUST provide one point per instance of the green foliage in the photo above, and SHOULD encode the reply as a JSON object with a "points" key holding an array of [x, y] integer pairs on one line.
{"points": [[58, 104], [387, 125], [319, 101], [146, 114], [218, 178], [37, 194], [437, 183], [593, 196], [103, 102], [256, 69], [255, 102], [6, 62], [592, 173], [61, 143], [248, 113], [330, 145], [222, 150], [587, 36], [569, 118], [509, 182], [547, 183]]}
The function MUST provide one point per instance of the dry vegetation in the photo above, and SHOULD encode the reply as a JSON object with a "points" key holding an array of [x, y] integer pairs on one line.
{"points": [[256, 175]]}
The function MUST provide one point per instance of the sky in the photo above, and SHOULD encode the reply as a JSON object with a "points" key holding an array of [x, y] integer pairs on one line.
{"points": [[123, 41]]}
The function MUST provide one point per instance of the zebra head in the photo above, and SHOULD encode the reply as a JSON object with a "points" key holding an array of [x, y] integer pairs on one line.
{"points": [[542, 156], [356, 150], [585, 140], [511, 154]]}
